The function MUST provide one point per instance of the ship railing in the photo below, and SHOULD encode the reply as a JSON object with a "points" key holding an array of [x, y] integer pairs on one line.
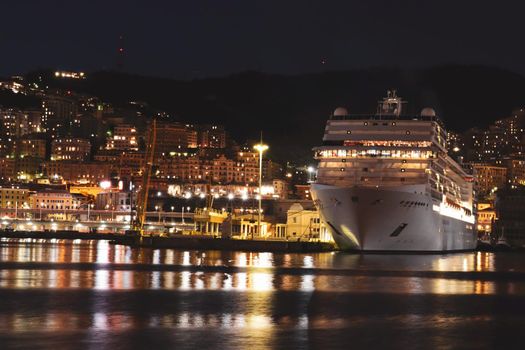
{"points": [[385, 117]]}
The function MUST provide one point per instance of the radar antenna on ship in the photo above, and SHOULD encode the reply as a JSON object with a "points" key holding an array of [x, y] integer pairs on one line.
{"points": [[390, 105]]}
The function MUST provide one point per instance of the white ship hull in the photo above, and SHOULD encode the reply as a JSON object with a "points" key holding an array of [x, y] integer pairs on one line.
{"points": [[393, 219]]}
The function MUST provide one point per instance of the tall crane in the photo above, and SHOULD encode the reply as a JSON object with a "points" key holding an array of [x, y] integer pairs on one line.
{"points": [[137, 227]]}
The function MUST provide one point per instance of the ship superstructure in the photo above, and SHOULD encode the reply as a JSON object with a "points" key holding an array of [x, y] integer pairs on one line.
{"points": [[386, 182]]}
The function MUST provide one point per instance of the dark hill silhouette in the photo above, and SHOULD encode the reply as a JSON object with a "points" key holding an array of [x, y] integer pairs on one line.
{"points": [[292, 110]]}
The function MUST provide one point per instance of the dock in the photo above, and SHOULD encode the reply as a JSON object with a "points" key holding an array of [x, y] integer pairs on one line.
{"points": [[193, 242]]}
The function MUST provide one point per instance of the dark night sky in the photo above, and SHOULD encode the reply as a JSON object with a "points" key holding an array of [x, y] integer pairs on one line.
{"points": [[187, 39]]}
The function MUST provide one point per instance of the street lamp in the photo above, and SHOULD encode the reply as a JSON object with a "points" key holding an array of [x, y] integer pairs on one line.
{"points": [[260, 147], [311, 171], [158, 211], [182, 216], [90, 206]]}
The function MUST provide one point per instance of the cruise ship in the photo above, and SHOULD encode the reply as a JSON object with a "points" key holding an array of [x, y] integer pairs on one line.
{"points": [[386, 183]]}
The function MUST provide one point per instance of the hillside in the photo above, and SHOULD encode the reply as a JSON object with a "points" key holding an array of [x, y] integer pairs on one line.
{"points": [[292, 110]]}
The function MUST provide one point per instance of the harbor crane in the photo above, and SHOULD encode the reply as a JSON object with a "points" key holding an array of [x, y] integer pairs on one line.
{"points": [[137, 224]]}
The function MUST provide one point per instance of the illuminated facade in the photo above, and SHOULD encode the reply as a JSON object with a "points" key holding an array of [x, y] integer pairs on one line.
{"points": [[113, 200], [489, 177], [486, 216], [515, 171], [7, 168], [58, 111], [78, 172], [173, 137], [71, 149], [13, 124], [124, 137], [70, 75], [14, 197], [194, 167], [305, 224], [211, 136], [61, 202], [32, 147]]}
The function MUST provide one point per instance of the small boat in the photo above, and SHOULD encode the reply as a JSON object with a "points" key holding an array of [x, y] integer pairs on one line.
{"points": [[485, 243], [502, 244]]}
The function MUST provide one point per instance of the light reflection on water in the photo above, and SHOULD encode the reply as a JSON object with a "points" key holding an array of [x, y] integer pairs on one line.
{"points": [[39, 250], [263, 279], [242, 281], [252, 299]]}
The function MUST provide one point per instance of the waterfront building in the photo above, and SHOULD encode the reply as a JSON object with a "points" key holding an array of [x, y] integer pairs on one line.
{"points": [[61, 202], [195, 167], [486, 215], [113, 200], [14, 197], [305, 224]]}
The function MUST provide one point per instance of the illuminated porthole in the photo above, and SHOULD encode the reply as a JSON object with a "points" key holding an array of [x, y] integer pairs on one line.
{"points": [[393, 123], [408, 132], [365, 123], [402, 170], [341, 169], [348, 132]]}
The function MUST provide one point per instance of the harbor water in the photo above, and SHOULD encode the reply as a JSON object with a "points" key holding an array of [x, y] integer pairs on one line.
{"points": [[65, 294]]}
